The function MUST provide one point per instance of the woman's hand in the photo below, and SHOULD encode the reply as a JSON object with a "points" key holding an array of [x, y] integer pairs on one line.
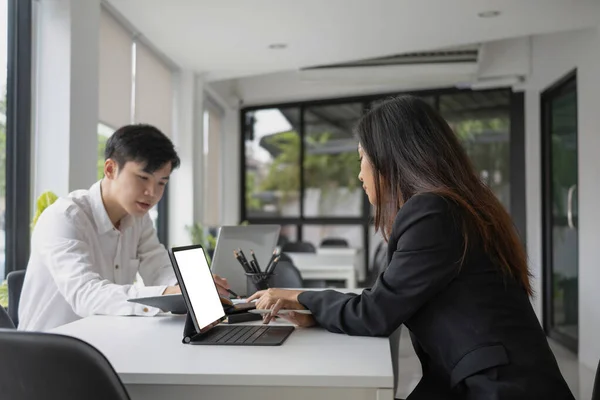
{"points": [[277, 299], [302, 320]]}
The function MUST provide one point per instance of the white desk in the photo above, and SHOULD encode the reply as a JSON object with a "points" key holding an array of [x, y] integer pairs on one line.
{"points": [[148, 355], [328, 264]]}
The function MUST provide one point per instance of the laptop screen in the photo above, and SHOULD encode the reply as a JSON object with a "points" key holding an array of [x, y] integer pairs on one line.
{"points": [[199, 285]]}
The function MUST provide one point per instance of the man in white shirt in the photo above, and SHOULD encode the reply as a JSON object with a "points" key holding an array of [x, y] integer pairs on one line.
{"points": [[88, 247]]}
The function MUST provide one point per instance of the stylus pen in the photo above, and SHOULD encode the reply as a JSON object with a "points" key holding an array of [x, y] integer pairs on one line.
{"points": [[234, 294]]}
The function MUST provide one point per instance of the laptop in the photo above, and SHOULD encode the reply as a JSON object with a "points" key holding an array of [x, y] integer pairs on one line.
{"points": [[260, 238], [205, 309]]}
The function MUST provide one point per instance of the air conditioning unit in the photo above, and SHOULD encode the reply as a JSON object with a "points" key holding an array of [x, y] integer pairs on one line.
{"points": [[434, 65]]}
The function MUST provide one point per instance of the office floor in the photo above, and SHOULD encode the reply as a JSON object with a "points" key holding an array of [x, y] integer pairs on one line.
{"points": [[579, 378]]}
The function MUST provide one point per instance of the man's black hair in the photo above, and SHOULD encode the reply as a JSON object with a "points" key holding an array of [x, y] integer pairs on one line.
{"points": [[141, 143]]}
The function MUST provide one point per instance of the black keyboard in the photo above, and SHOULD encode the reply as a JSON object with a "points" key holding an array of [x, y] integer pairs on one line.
{"points": [[234, 334]]}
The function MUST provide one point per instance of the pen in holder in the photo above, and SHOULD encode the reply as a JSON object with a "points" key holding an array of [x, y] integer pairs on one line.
{"points": [[256, 281], [257, 278]]}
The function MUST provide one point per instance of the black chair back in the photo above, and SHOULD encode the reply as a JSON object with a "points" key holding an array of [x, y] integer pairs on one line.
{"points": [[287, 275], [281, 240], [37, 365], [596, 389], [5, 321], [285, 257], [298, 247], [334, 242], [14, 281]]}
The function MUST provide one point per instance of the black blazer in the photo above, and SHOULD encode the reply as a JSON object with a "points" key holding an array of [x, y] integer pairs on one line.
{"points": [[472, 326]]}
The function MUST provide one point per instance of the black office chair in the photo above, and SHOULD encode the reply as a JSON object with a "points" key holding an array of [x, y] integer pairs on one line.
{"points": [[334, 242], [596, 389], [38, 365], [305, 284], [287, 275], [5, 321], [14, 281], [298, 247], [312, 283], [285, 257], [281, 240]]}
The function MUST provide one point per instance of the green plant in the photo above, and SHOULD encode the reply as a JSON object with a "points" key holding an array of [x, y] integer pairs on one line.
{"points": [[198, 236], [3, 294], [320, 170], [45, 200], [326, 172]]}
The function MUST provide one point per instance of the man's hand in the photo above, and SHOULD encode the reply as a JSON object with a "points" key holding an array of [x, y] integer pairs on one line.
{"points": [[222, 285], [172, 290]]}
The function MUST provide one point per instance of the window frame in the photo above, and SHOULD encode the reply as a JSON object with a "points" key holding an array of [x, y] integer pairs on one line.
{"points": [[18, 133]]}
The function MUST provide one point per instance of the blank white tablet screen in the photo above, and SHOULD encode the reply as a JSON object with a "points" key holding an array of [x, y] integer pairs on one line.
{"points": [[199, 285]]}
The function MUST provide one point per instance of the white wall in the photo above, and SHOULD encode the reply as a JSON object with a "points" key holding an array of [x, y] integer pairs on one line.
{"points": [[553, 56], [66, 95], [183, 208]]}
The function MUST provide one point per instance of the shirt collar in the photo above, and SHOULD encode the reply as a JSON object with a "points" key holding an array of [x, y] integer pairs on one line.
{"points": [[103, 222]]}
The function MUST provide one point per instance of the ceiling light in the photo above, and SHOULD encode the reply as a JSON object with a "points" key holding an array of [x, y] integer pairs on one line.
{"points": [[277, 46], [489, 14]]}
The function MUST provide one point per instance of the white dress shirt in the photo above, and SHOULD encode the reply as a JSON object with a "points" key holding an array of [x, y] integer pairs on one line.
{"points": [[81, 265]]}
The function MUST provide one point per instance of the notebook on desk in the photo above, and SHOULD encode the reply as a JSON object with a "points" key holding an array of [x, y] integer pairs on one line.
{"points": [[205, 310]]}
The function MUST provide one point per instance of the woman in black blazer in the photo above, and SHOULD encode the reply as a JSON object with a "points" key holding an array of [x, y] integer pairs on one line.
{"points": [[457, 274]]}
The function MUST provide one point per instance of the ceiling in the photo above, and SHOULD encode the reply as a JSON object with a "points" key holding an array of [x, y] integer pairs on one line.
{"points": [[230, 39]]}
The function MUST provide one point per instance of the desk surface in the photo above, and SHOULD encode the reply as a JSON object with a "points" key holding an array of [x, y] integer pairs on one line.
{"points": [[148, 350]]}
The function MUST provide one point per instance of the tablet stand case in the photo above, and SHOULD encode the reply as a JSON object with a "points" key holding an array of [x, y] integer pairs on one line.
{"points": [[189, 330]]}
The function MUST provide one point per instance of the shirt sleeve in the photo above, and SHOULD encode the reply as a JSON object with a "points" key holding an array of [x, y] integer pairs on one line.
{"points": [[64, 248], [426, 260], [155, 264]]}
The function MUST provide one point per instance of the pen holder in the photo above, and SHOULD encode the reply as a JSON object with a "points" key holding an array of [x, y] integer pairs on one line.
{"points": [[256, 281]]}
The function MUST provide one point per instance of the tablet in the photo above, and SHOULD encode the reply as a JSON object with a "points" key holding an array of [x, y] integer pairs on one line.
{"points": [[167, 302], [175, 303], [281, 312]]}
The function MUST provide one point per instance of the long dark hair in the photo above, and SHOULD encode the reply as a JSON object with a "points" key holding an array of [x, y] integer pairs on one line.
{"points": [[413, 150]]}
